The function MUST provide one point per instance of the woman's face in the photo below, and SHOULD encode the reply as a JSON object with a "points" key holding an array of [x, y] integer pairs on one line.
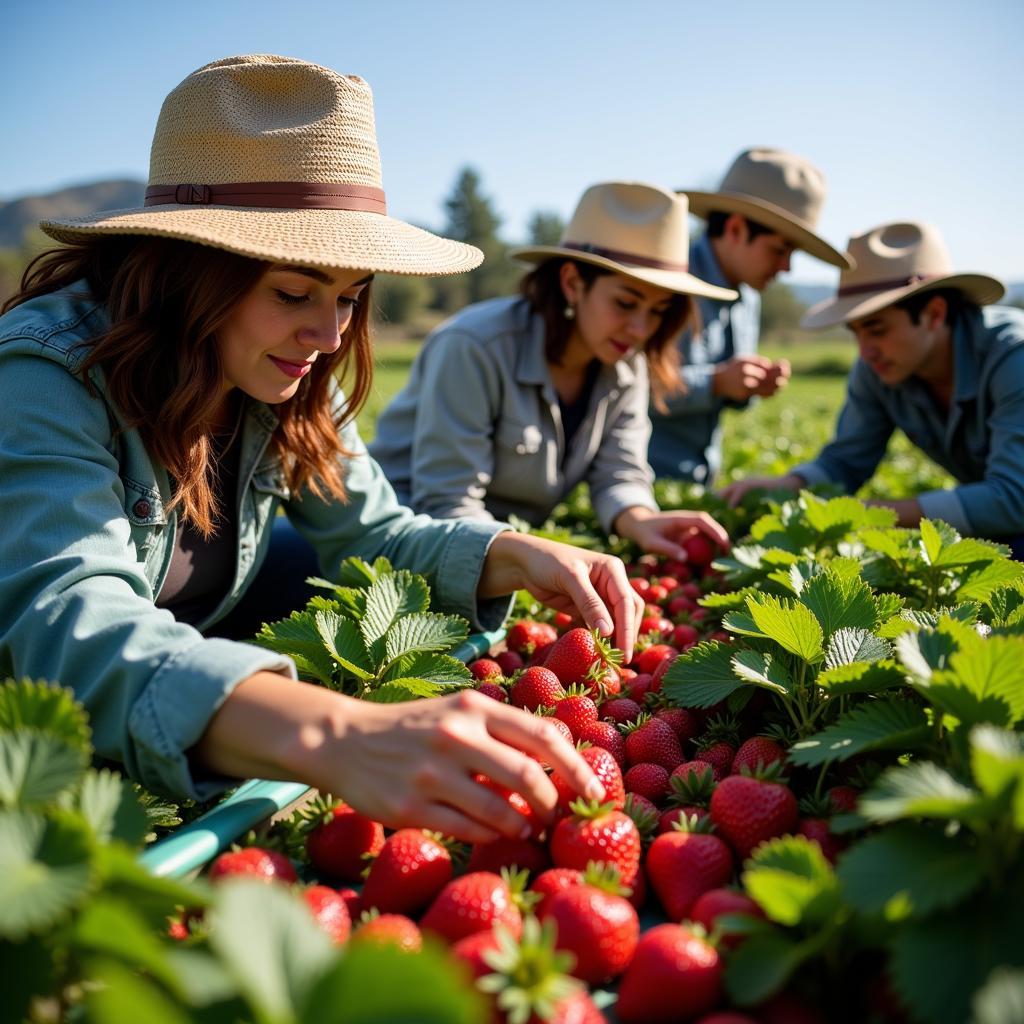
{"points": [[291, 318], [615, 315]]}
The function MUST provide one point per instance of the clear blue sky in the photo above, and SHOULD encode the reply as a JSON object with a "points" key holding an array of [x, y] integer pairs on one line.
{"points": [[913, 109]]}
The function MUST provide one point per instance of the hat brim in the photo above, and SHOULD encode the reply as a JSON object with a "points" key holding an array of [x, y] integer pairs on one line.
{"points": [[771, 216], [678, 281], [981, 289], [342, 239]]}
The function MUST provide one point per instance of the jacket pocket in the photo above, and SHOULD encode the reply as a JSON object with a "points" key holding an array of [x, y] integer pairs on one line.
{"points": [[523, 439]]}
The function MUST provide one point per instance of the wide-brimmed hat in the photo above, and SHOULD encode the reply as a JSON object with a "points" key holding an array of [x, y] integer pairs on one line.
{"points": [[630, 228], [277, 159], [780, 190], [895, 261]]}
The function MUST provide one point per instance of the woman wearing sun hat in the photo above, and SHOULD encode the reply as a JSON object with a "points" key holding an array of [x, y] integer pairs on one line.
{"points": [[937, 361], [514, 401], [169, 382]]}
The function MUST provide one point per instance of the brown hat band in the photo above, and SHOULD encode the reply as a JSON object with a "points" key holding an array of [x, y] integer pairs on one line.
{"points": [[626, 257], [291, 195], [884, 286]]}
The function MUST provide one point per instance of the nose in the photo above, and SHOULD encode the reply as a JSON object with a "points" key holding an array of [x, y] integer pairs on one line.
{"points": [[784, 263], [641, 325], [323, 331]]}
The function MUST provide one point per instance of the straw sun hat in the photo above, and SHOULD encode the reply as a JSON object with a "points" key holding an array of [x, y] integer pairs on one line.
{"points": [[632, 229], [780, 190], [276, 159], [895, 261]]}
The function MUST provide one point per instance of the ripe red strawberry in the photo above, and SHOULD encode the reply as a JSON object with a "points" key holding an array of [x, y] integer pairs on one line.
{"points": [[340, 840], [726, 1017], [603, 764], [476, 902], [494, 690], [685, 722], [516, 801], [576, 653], [647, 780], [562, 621], [536, 687], [576, 709], [620, 710], [600, 928], [604, 734], [413, 866], [668, 819], [817, 830], [540, 655], [682, 865], [329, 911], [471, 949], [353, 900], [638, 687], [485, 668], [525, 636], [719, 755], [509, 662], [253, 862], [596, 832], [684, 636], [716, 903], [651, 657], [640, 585], [655, 624], [758, 751], [844, 798], [395, 930], [700, 552], [674, 975], [549, 883], [749, 810], [521, 854], [652, 740]]}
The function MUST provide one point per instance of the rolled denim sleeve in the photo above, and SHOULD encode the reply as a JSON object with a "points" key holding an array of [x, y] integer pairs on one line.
{"points": [[76, 606], [861, 436]]}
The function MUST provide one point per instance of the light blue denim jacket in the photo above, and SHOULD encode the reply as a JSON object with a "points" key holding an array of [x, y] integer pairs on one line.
{"points": [[86, 543], [980, 440], [686, 441]]}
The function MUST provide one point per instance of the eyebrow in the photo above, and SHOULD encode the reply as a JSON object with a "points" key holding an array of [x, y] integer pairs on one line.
{"points": [[319, 275], [640, 295]]}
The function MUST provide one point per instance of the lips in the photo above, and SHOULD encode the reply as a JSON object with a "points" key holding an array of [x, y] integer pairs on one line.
{"points": [[294, 370], [620, 347]]}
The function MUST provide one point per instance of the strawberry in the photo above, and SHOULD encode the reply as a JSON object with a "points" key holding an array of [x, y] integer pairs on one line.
{"points": [[684, 636], [651, 657], [476, 902], [536, 687], [685, 722], [647, 780], [329, 911], [749, 810], [758, 751], [576, 653], [413, 866], [700, 552], [509, 662], [655, 624], [668, 819], [340, 839], [525, 636], [576, 709], [395, 930], [485, 668], [675, 974], [652, 740], [644, 815], [509, 853], [685, 863], [470, 950], [817, 830], [604, 734], [253, 862], [600, 928], [844, 798], [562, 621], [353, 900], [516, 801], [494, 690], [719, 755], [726, 1017], [540, 655], [551, 882], [606, 768], [716, 903], [641, 585], [621, 710], [597, 832], [637, 687]]}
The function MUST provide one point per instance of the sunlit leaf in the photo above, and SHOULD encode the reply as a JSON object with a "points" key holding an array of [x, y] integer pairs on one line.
{"points": [[920, 790], [793, 626], [701, 676]]}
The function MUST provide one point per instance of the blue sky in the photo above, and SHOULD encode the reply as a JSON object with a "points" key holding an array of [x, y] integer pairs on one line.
{"points": [[912, 109]]}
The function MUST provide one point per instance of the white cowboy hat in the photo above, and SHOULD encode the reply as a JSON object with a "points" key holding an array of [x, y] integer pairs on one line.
{"points": [[276, 159]]}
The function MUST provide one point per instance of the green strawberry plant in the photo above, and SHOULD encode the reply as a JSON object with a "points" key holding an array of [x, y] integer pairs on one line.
{"points": [[373, 637]]}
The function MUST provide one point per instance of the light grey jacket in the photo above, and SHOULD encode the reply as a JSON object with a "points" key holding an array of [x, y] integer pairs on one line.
{"points": [[87, 539], [477, 430]]}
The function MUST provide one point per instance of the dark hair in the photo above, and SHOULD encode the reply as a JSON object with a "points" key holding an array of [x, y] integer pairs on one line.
{"points": [[716, 226], [956, 303], [542, 289], [166, 300]]}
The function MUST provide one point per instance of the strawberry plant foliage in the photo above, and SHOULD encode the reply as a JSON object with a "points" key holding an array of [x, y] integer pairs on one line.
{"points": [[375, 638]]}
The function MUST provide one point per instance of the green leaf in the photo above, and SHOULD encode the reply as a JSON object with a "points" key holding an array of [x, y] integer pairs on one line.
{"points": [[792, 882], [761, 669], [391, 598], [441, 669], [971, 550], [929, 649], [920, 790], [997, 764], [1001, 999], [849, 645], [793, 626], [45, 708], [931, 541], [730, 600], [202, 979], [382, 985], [344, 642], [983, 683], [701, 676], [836, 517], [397, 691], [108, 803], [124, 877], [121, 995], [268, 940], [742, 623], [298, 638], [28, 972], [839, 604], [761, 966], [36, 768], [424, 632], [885, 542], [355, 572], [883, 724], [886, 606], [914, 864], [861, 677], [45, 869]]}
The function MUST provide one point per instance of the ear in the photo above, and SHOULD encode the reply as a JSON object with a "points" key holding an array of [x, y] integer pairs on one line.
{"points": [[736, 228], [571, 282], [934, 312]]}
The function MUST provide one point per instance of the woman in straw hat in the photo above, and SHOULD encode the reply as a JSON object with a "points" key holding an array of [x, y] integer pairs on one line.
{"points": [[514, 401], [937, 361], [169, 383]]}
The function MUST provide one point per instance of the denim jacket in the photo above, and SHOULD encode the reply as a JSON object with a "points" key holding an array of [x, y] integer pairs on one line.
{"points": [[87, 539]]}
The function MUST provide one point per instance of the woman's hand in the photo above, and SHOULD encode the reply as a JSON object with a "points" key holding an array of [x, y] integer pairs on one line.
{"points": [[590, 586], [408, 764], [665, 533]]}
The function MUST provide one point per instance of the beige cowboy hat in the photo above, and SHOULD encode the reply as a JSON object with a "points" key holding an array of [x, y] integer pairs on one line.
{"points": [[780, 190], [633, 229], [276, 159], [894, 261]]}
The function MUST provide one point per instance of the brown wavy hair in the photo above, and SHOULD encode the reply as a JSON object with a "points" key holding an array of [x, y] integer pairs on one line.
{"points": [[542, 288], [167, 299]]}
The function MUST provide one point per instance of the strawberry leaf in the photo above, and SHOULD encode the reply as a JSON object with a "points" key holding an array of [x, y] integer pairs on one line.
{"points": [[931, 541], [108, 803], [920, 868], [972, 550], [344, 643], [838, 603], [861, 677], [355, 572], [923, 790], [984, 581], [760, 967], [884, 724], [761, 669], [122, 993], [792, 882], [791, 625], [849, 645], [390, 598], [35, 768], [836, 517], [1001, 998], [396, 691], [441, 669], [424, 632], [299, 638], [984, 681], [702, 676], [997, 763], [44, 708], [890, 543]]}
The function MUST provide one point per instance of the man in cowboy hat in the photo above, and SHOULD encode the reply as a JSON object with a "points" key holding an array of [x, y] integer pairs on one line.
{"points": [[934, 364], [766, 207]]}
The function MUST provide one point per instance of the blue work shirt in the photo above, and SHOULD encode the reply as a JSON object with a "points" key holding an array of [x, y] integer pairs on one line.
{"points": [[979, 440], [686, 442]]}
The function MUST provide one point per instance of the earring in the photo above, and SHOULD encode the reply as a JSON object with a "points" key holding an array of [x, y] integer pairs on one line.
{"points": [[569, 313]]}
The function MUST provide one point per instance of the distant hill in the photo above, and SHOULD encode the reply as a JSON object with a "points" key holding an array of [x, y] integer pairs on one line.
{"points": [[21, 215]]}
